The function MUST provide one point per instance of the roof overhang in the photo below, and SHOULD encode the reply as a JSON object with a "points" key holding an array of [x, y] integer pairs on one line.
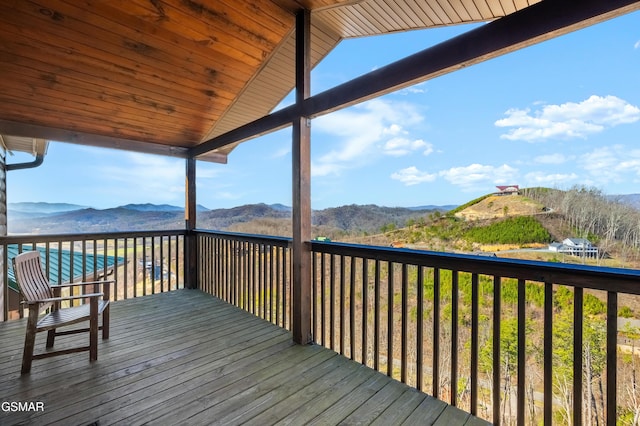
{"points": [[170, 76], [30, 145]]}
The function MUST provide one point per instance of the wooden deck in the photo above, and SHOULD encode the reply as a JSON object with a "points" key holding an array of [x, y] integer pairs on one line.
{"points": [[187, 358]]}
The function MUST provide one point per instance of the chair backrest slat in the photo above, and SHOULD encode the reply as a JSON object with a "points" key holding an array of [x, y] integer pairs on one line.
{"points": [[30, 277]]}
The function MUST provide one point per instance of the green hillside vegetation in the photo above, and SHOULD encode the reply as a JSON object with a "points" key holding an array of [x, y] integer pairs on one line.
{"points": [[512, 230], [468, 204]]}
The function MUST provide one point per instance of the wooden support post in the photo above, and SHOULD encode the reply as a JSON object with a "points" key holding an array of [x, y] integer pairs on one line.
{"points": [[190, 244], [301, 168]]}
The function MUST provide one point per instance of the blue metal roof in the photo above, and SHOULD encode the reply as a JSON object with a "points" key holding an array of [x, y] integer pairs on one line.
{"points": [[55, 256]]}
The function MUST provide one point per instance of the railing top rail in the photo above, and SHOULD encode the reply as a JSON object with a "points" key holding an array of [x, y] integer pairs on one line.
{"points": [[585, 276], [44, 238], [254, 238]]}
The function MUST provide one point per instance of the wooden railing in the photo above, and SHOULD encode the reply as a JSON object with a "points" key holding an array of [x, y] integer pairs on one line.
{"points": [[506, 331], [496, 350], [512, 341], [252, 272], [141, 263]]}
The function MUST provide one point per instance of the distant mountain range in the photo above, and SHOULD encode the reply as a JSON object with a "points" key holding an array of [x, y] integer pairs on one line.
{"points": [[53, 218]]}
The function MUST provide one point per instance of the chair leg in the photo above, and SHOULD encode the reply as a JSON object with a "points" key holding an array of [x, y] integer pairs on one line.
{"points": [[105, 323], [93, 330], [29, 340], [51, 336]]}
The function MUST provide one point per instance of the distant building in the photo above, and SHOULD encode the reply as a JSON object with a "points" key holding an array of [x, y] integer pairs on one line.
{"points": [[575, 247], [508, 190]]}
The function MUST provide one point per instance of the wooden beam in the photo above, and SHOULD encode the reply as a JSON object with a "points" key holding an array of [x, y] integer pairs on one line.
{"points": [[534, 24], [301, 171], [13, 128]]}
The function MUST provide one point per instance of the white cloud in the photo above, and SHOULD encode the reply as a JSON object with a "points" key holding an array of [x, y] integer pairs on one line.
{"points": [[398, 147], [282, 152], [360, 134], [160, 179], [611, 163], [569, 120], [413, 176], [551, 159], [550, 179], [637, 45], [476, 176], [416, 89]]}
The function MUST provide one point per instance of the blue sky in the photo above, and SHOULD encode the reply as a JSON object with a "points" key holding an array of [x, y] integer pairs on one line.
{"points": [[561, 113]]}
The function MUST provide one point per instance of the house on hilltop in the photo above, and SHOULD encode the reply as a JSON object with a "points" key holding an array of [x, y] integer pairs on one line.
{"points": [[508, 190]]}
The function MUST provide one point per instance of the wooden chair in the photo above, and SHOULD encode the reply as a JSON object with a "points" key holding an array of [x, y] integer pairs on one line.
{"points": [[39, 295]]}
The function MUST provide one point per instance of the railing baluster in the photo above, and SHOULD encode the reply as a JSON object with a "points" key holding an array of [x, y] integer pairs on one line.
{"points": [[612, 364], [390, 296], [343, 300], [352, 308], [323, 292], [271, 284], [280, 287], [314, 299], [454, 338], [436, 334], [577, 355], [152, 272], [420, 330], [404, 324], [332, 310], [521, 350], [376, 325], [474, 343], [497, 298], [144, 266], [364, 342], [548, 353]]}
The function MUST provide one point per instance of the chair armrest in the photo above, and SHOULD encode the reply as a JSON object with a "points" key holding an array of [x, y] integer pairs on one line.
{"points": [[81, 284], [105, 287], [61, 299]]}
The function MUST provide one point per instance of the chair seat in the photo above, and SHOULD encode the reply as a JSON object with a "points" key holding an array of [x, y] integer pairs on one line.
{"points": [[68, 316]]}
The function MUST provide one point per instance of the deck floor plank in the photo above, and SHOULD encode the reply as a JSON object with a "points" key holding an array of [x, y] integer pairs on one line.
{"points": [[184, 357]]}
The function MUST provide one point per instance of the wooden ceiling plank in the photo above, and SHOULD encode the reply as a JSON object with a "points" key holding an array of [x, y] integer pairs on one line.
{"points": [[174, 25], [408, 20], [34, 78], [66, 58], [452, 13], [420, 13], [94, 122], [88, 64], [183, 100], [496, 7], [66, 107], [521, 4], [480, 6], [88, 39], [371, 16], [152, 40], [435, 12], [463, 12], [264, 17]]}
